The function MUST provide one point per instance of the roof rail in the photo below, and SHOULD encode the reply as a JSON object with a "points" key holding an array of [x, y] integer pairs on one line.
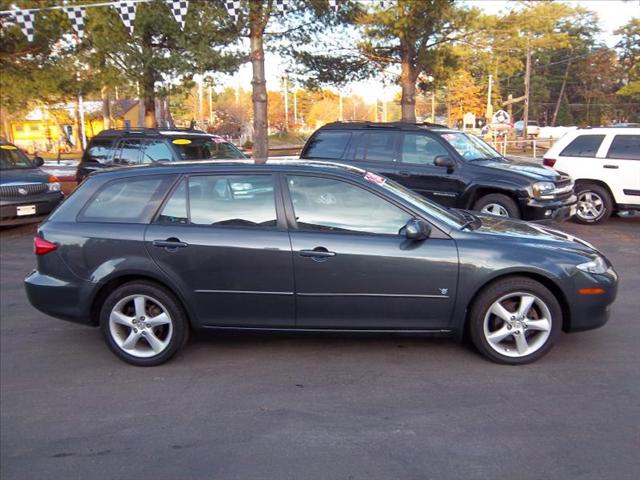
{"points": [[370, 124], [149, 130]]}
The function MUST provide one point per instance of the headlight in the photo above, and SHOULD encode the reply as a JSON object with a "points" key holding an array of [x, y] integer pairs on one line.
{"points": [[54, 186], [597, 265], [543, 189]]}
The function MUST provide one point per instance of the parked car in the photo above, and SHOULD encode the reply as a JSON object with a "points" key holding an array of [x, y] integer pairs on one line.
{"points": [[27, 194], [533, 128], [150, 253], [137, 146], [453, 168], [605, 164]]}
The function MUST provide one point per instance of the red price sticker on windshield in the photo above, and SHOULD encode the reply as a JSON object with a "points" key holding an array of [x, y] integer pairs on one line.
{"points": [[373, 178]]}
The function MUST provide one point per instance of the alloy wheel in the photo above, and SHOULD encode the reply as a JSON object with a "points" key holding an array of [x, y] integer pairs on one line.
{"points": [[590, 206], [140, 326], [495, 209], [517, 324]]}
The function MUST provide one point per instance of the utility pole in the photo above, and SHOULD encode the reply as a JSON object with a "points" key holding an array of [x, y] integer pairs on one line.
{"points": [[286, 103], [340, 109], [527, 92], [384, 110], [433, 107], [210, 104], [489, 104], [376, 111], [564, 84], [295, 107], [200, 99]]}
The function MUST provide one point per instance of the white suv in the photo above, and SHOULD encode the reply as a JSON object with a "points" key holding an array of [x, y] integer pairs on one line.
{"points": [[605, 165]]}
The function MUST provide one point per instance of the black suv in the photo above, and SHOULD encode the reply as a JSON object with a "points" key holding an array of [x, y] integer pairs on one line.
{"points": [[453, 168], [117, 148]]}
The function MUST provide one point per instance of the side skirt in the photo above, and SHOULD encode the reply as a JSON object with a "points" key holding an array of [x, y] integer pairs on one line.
{"points": [[437, 332]]}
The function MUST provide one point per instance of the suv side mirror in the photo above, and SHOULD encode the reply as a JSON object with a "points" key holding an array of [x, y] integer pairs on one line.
{"points": [[38, 161], [444, 161], [416, 229]]}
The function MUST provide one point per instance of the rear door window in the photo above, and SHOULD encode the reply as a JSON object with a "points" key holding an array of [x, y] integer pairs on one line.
{"points": [[99, 151], [421, 149], [329, 144], [583, 146], [377, 147], [206, 148], [156, 151], [127, 200], [223, 200], [625, 147]]}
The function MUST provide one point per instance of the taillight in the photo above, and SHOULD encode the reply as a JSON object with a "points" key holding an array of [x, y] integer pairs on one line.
{"points": [[549, 162], [42, 246]]}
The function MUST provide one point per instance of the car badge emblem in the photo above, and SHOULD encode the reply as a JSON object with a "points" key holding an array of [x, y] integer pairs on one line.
{"points": [[22, 191], [444, 291]]}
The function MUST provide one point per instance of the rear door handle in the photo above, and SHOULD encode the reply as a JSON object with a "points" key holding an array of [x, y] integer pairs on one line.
{"points": [[169, 243], [317, 253], [611, 166]]}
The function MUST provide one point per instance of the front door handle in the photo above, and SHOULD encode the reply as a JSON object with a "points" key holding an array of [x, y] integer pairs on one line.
{"points": [[611, 166], [404, 174], [170, 243], [318, 253]]}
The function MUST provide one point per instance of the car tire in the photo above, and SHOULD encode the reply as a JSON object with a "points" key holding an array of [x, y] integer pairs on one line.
{"points": [[497, 204], [143, 323], [595, 204], [504, 335]]}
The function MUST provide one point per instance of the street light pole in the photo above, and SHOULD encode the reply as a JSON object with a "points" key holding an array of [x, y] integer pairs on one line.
{"points": [[527, 92]]}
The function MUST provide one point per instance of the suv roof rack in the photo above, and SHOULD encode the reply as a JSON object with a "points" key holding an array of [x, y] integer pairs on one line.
{"points": [[119, 130], [369, 124]]}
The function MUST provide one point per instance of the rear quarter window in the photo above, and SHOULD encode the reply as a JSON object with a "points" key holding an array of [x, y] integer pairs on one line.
{"points": [[327, 144], [127, 200], [583, 146], [99, 151]]}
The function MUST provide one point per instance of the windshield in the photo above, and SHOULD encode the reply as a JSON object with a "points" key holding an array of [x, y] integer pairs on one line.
{"points": [[11, 157], [450, 217], [206, 148], [470, 147]]}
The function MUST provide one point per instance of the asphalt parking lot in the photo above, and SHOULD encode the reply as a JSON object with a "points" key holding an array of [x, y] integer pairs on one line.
{"points": [[319, 407]]}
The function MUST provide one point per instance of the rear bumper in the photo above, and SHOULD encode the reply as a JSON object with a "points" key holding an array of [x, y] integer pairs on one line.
{"points": [[61, 299], [557, 210], [43, 204], [591, 311]]}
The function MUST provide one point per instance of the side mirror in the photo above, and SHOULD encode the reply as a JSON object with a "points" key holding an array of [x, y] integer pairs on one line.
{"points": [[444, 161], [416, 229], [38, 161]]}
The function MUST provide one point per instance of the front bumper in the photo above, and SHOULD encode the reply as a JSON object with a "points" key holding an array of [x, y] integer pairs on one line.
{"points": [[589, 311], [43, 204], [556, 210]]}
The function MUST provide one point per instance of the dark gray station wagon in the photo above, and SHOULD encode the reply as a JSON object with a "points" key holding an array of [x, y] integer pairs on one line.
{"points": [[148, 253]]}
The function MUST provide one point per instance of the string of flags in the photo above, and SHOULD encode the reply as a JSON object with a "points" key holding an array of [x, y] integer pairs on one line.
{"points": [[126, 9]]}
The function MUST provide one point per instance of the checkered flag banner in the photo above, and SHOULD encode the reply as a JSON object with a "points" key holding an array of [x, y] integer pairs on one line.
{"points": [[334, 4], [76, 16], [179, 10], [127, 12], [233, 8], [280, 5], [24, 19]]}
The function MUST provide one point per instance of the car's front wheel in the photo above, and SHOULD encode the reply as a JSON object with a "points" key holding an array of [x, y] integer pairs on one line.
{"points": [[497, 204], [143, 323], [515, 320]]}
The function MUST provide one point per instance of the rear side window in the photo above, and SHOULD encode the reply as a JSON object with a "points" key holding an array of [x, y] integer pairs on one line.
{"points": [[625, 147], [377, 147], [127, 200], [99, 151], [206, 149], [583, 146], [421, 149], [327, 144], [156, 151], [232, 200]]}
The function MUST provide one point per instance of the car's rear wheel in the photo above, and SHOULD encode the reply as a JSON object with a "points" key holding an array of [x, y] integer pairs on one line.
{"points": [[594, 204], [515, 321], [143, 323], [497, 204]]}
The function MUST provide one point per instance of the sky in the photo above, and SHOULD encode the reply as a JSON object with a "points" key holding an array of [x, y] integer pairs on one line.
{"points": [[612, 14]]}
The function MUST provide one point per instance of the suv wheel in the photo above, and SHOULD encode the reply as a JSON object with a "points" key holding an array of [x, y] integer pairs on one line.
{"points": [[594, 204], [497, 204], [143, 323], [515, 321]]}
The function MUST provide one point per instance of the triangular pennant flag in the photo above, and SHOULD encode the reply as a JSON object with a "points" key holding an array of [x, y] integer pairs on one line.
{"points": [[179, 10], [233, 8], [76, 15], [24, 19], [127, 11], [280, 5]]}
